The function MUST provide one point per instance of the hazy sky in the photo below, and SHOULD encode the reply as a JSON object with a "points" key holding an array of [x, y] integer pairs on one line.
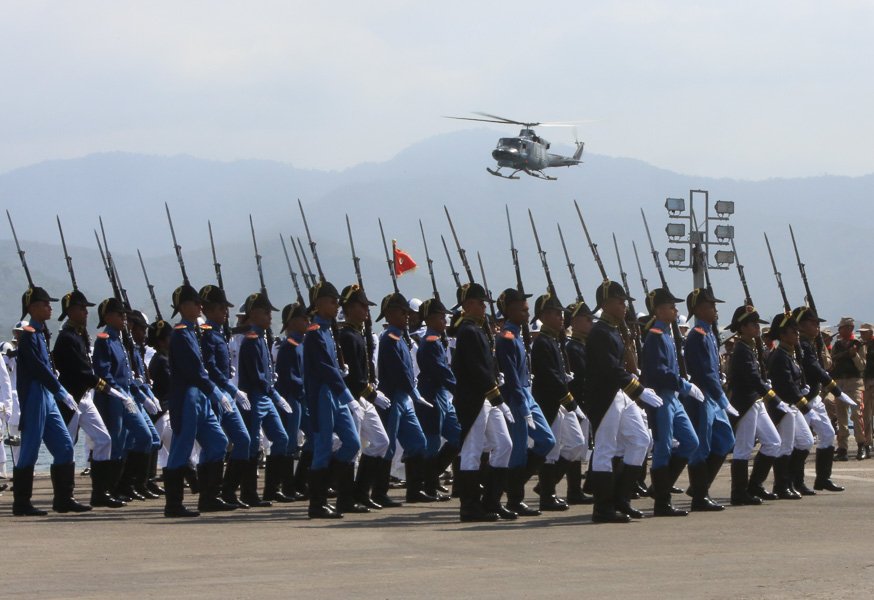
{"points": [[737, 89]]}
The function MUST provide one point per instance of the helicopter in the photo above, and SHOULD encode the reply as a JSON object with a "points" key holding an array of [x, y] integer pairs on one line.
{"points": [[527, 153]]}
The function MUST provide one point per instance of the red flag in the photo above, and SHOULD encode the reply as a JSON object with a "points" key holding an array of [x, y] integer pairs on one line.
{"points": [[403, 261]]}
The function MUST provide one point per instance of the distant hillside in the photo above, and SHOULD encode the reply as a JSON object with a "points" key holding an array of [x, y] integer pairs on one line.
{"points": [[831, 216]]}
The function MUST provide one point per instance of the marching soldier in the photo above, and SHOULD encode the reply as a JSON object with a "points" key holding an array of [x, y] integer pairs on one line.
{"points": [[819, 382], [192, 396], [374, 439], [710, 417], [753, 399], [529, 420], [39, 393], [661, 372], [328, 401], [158, 338], [72, 359], [217, 362], [580, 320], [611, 392], [482, 412], [397, 381], [550, 390], [256, 380]]}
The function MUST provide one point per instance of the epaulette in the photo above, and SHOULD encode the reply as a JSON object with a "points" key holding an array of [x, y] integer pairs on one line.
{"points": [[701, 330], [102, 336], [508, 335], [293, 342], [29, 329], [656, 330], [181, 326], [313, 327], [394, 337], [206, 327], [432, 338], [252, 336]]}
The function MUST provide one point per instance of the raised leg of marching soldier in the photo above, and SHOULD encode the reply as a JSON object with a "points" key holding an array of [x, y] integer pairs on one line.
{"points": [[90, 421], [820, 424], [569, 449], [754, 423]]}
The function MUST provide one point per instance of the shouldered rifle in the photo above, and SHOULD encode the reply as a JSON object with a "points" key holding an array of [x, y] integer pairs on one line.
{"points": [[640, 269], [312, 276], [389, 260], [748, 301], [570, 266], [808, 298], [149, 285], [269, 332], [455, 276], [482, 271], [592, 245], [514, 254], [430, 262], [291, 272], [368, 322], [312, 243], [630, 314], [675, 327], [67, 257], [121, 295], [176, 246], [303, 272], [787, 308], [461, 253], [215, 262]]}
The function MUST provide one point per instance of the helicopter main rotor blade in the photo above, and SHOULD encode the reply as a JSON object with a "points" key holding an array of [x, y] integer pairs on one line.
{"points": [[480, 120], [505, 120]]}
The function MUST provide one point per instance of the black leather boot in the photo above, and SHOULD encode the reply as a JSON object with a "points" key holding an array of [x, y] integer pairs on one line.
{"points": [[471, 509], [575, 493], [516, 478], [495, 481], [604, 507], [415, 468], [782, 480], [140, 475], [344, 475], [232, 478], [432, 470], [549, 502], [130, 468], [210, 476], [761, 467], [699, 481], [273, 474], [113, 481], [189, 476], [101, 473], [367, 466], [152, 484], [249, 486], [63, 483], [287, 485], [301, 477], [22, 491], [174, 486], [661, 493], [796, 472], [824, 460], [381, 485], [628, 479], [740, 495], [318, 490]]}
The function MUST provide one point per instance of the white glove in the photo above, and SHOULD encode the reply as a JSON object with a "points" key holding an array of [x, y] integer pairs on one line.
{"points": [[723, 379], [648, 396], [345, 371], [422, 401], [382, 401], [805, 390], [580, 414], [283, 405], [783, 406], [151, 406], [732, 411], [227, 404], [128, 402], [847, 400], [243, 400], [816, 400], [696, 393], [508, 414], [531, 424], [67, 399], [500, 380]]}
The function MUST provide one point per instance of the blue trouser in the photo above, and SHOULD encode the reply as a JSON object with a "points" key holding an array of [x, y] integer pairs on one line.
{"points": [[263, 414], [291, 422], [671, 422], [544, 440], [715, 435], [333, 418], [234, 427], [42, 421], [401, 425], [128, 431], [155, 439], [439, 422], [197, 422]]}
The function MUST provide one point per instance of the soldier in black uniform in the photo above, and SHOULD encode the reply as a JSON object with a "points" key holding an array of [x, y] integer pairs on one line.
{"points": [[580, 321]]}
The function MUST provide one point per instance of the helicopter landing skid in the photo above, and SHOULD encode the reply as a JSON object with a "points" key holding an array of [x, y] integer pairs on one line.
{"points": [[540, 175], [497, 173]]}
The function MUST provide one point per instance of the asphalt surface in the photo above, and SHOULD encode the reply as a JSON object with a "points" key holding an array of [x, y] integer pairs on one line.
{"points": [[813, 548]]}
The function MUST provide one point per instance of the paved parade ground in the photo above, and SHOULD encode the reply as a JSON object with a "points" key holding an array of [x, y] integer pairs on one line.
{"points": [[817, 547]]}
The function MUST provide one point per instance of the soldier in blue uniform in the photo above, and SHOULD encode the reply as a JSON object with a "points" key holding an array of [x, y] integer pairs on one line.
{"points": [[125, 420], [192, 397], [753, 399], [820, 382], [397, 381], [529, 420], [710, 418], [550, 390], [482, 412], [72, 359], [217, 362], [580, 321], [39, 393], [257, 381], [436, 384], [361, 380], [327, 399], [290, 385], [611, 394]]}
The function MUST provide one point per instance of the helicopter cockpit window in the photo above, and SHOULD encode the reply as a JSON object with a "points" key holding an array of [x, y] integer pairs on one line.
{"points": [[509, 143]]}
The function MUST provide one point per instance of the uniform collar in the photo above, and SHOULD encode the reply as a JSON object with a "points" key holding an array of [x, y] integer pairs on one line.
{"points": [[662, 326], [580, 337], [256, 329], [430, 332], [74, 328], [213, 324], [297, 337], [478, 321], [512, 327], [394, 330], [609, 320], [112, 332], [353, 327], [549, 332], [187, 323], [321, 321]]}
